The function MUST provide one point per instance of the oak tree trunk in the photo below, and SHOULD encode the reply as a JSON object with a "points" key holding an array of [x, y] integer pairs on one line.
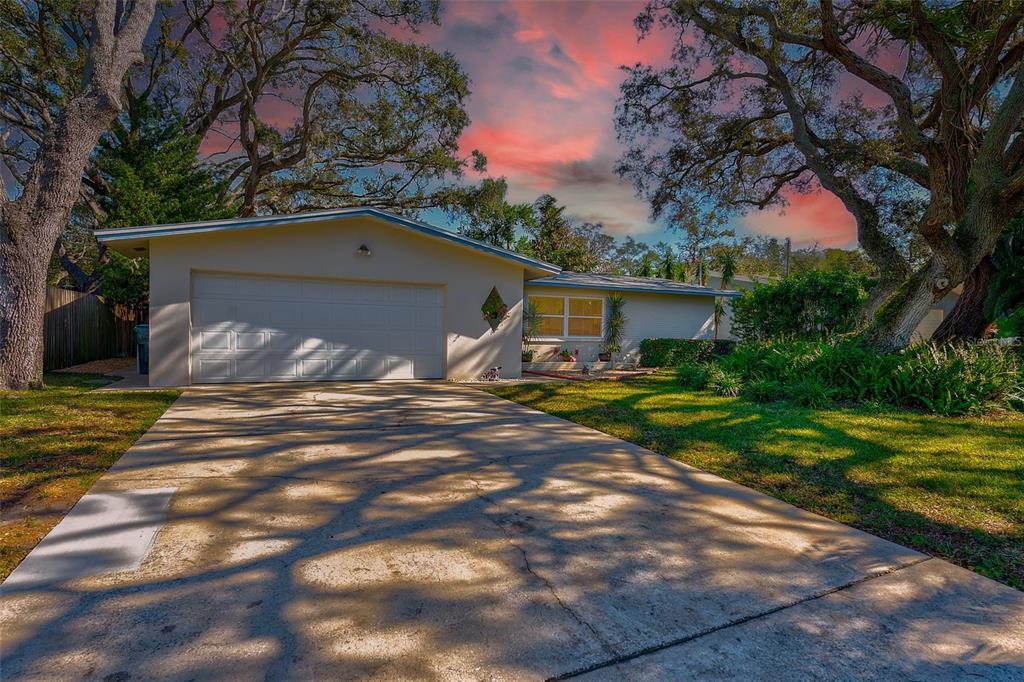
{"points": [[967, 320], [31, 224], [895, 321], [23, 285]]}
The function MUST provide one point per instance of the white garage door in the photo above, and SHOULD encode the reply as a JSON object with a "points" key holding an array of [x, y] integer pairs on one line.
{"points": [[248, 328]]}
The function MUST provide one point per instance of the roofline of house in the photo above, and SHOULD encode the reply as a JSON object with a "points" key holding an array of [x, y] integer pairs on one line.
{"points": [[113, 235], [695, 291]]}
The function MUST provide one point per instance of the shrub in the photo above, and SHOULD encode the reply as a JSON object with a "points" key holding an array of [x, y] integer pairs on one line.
{"points": [[764, 390], [949, 379], [805, 305], [812, 393], [957, 378], [693, 375], [724, 382], [676, 352]]}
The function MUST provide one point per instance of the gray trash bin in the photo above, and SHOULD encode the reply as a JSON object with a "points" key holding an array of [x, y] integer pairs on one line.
{"points": [[142, 354]]}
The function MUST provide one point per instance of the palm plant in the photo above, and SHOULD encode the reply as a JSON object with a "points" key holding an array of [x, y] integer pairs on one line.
{"points": [[615, 326], [727, 262], [531, 328]]}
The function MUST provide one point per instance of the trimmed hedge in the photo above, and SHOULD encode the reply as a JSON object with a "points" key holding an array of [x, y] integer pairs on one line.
{"points": [[676, 352]]}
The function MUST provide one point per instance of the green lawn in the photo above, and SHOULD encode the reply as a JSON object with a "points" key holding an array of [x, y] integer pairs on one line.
{"points": [[56, 442], [950, 487]]}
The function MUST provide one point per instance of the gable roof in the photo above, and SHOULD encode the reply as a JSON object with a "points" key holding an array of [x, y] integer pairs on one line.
{"points": [[142, 234], [647, 285]]}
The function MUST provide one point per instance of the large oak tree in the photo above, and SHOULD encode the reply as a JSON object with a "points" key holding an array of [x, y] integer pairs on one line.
{"points": [[751, 108], [320, 103], [57, 97]]}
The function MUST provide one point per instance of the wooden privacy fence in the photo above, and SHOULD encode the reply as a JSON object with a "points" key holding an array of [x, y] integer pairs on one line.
{"points": [[80, 327]]}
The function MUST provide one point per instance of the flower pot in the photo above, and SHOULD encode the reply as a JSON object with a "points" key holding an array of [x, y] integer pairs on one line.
{"points": [[604, 357], [527, 356]]}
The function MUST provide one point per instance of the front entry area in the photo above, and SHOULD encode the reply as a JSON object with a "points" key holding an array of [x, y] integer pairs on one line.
{"points": [[257, 328]]}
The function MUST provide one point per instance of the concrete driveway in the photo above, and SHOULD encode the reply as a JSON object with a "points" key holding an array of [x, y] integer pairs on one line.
{"points": [[429, 530]]}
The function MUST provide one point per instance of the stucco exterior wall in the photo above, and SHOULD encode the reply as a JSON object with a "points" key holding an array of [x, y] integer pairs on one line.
{"points": [[647, 316], [328, 250]]}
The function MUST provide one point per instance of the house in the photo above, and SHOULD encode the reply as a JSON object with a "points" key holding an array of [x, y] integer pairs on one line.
{"points": [[359, 293], [571, 306]]}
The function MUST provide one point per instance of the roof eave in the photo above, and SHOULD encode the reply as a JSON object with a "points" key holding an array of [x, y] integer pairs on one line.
{"points": [[139, 235], [716, 293]]}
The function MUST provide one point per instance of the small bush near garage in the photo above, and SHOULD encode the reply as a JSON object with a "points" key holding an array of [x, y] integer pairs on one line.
{"points": [[951, 379], [677, 352]]}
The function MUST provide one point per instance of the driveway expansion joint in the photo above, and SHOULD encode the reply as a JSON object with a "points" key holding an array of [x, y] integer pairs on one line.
{"points": [[625, 658], [529, 568]]}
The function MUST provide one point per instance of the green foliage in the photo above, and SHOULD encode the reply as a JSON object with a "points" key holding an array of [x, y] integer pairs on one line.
{"points": [[153, 175], [762, 390], [484, 213], [957, 379], [675, 352], [669, 268], [615, 325], [693, 375], [1005, 301], [151, 166], [554, 238], [379, 112], [532, 320], [805, 305], [948, 380], [125, 280], [812, 393], [948, 486], [724, 382]]}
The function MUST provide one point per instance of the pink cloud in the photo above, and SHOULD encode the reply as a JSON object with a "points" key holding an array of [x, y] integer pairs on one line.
{"points": [[545, 78], [818, 217], [522, 154]]}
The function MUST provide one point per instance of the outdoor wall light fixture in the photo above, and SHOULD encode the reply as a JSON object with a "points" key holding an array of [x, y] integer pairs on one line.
{"points": [[363, 250]]}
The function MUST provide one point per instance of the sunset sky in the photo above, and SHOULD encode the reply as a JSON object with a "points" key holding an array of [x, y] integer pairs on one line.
{"points": [[545, 78]]}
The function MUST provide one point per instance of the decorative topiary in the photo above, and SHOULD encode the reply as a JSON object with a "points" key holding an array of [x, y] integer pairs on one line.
{"points": [[494, 309]]}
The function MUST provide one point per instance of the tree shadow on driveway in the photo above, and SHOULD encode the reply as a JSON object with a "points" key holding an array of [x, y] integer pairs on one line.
{"points": [[434, 531]]}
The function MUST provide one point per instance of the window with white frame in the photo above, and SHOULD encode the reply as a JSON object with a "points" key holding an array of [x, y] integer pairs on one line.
{"points": [[569, 316]]}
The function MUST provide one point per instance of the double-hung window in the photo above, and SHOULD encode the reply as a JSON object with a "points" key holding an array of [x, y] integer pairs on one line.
{"points": [[569, 316]]}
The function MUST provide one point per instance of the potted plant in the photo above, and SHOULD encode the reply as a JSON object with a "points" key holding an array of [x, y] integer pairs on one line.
{"points": [[566, 355], [531, 329], [614, 327]]}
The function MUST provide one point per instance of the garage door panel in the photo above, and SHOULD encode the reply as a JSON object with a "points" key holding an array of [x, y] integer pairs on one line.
{"points": [[427, 319], [430, 297], [281, 315], [250, 340], [214, 340], [250, 367], [214, 311], [258, 329], [282, 341], [314, 368], [283, 288], [214, 369], [214, 285]]}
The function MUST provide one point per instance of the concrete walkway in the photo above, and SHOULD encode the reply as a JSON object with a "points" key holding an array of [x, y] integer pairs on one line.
{"points": [[429, 530]]}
